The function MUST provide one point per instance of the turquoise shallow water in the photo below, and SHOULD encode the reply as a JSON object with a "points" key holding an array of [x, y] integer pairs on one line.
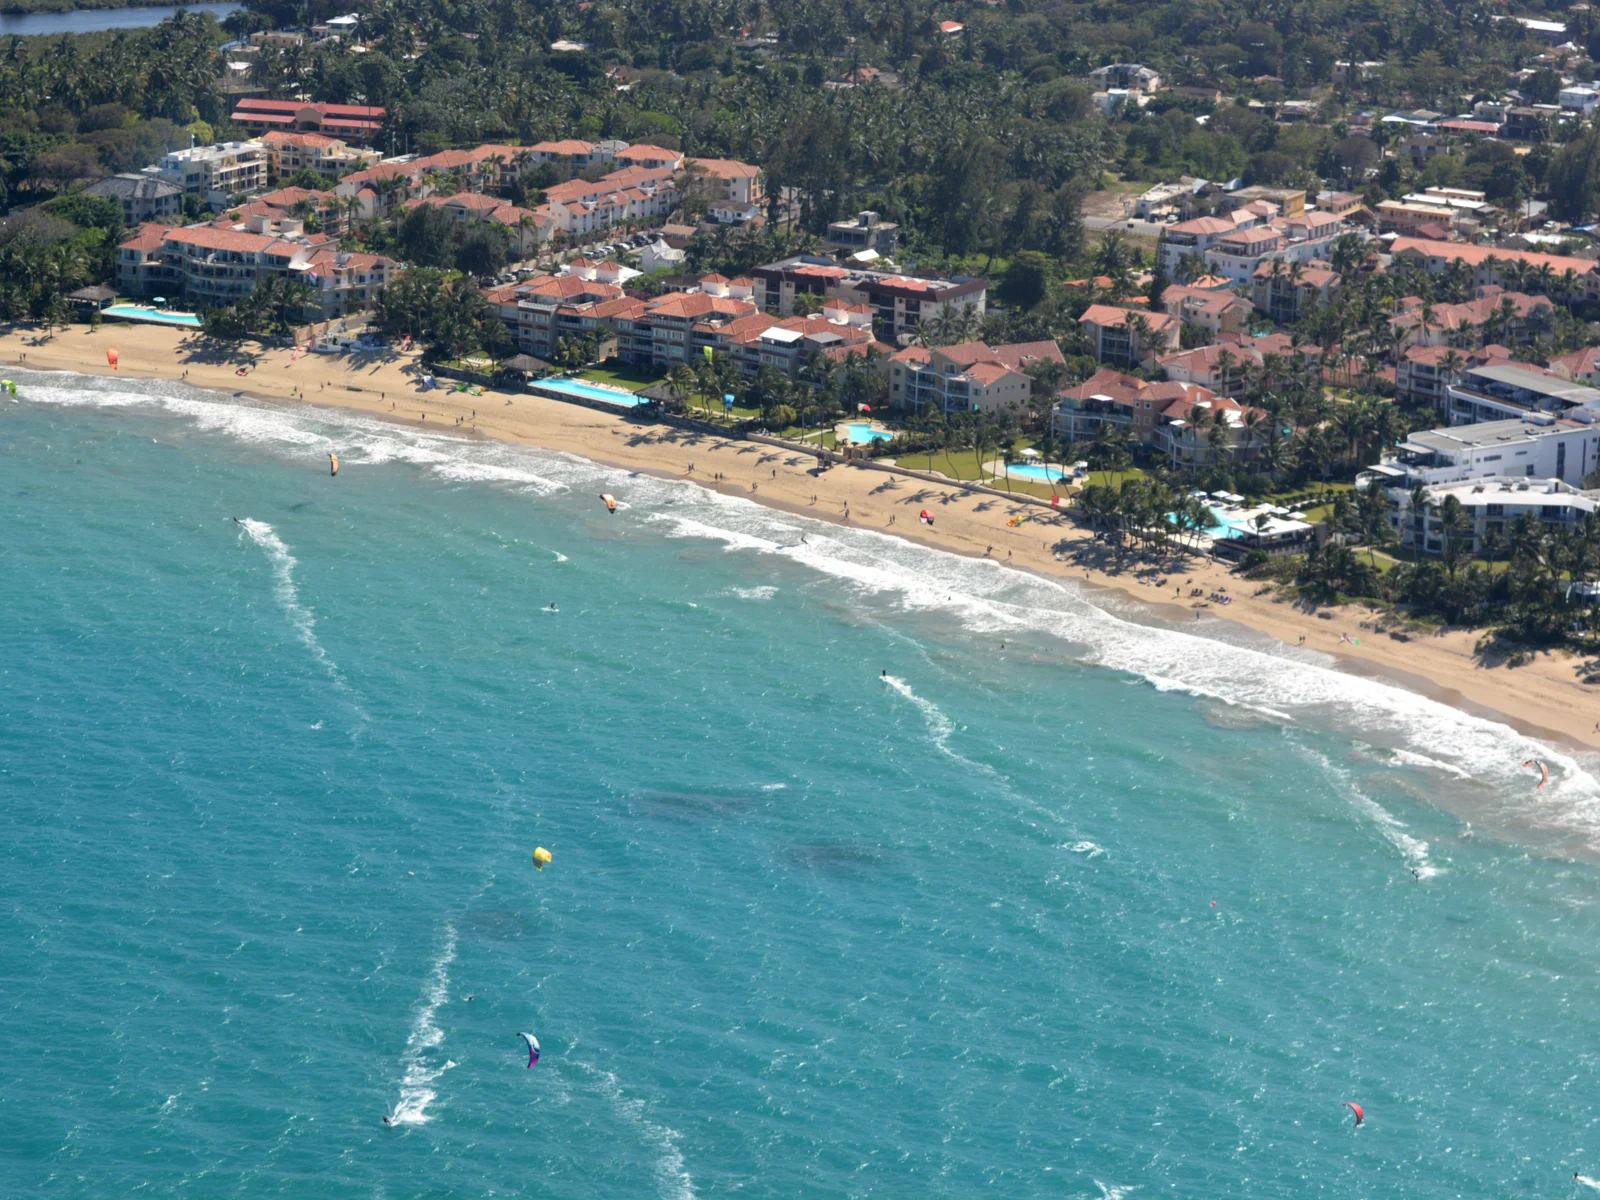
{"points": [[271, 790]]}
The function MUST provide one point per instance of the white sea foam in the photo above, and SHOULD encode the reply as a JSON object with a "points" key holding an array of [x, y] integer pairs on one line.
{"points": [[753, 593], [1087, 848], [672, 1176], [1110, 1191], [1280, 683], [1410, 758], [773, 787], [420, 1066], [1283, 685], [1588, 1182]]}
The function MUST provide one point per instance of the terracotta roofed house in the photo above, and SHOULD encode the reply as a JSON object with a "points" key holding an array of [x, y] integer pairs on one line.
{"points": [[650, 157], [1126, 336]]}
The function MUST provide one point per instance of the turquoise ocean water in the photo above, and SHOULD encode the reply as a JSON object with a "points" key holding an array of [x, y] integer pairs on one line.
{"points": [[270, 791]]}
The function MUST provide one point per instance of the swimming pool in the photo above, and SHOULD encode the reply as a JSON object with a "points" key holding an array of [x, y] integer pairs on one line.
{"points": [[1228, 525], [861, 432], [157, 316], [588, 391], [1038, 472]]}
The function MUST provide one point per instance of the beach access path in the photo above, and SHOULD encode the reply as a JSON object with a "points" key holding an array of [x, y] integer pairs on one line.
{"points": [[1542, 697]]}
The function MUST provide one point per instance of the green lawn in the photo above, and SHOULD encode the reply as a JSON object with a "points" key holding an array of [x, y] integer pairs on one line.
{"points": [[632, 378]]}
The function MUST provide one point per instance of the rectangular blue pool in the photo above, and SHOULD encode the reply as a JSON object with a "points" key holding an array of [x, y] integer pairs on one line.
{"points": [[1038, 472], [563, 386], [861, 432], [155, 316]]}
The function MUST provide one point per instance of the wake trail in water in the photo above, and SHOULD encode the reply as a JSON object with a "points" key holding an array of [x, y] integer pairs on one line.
{"points": [[300, 617], [672, 1176], [1412, 849], [940, 727], [420, 1066]]}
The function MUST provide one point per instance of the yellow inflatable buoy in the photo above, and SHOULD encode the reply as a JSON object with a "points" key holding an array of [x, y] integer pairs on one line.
{"points": [[540, 857]]}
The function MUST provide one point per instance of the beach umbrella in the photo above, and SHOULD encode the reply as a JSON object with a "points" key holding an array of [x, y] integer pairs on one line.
{"points": [[1030, 452], [1221, 495]]}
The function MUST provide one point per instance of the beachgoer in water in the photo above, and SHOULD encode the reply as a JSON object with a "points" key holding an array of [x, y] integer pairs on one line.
{"points": [[553, 607], [386, 1119]]}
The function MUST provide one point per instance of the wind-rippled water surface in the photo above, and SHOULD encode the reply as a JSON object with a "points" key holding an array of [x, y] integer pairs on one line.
{"points": [[271, 788]]}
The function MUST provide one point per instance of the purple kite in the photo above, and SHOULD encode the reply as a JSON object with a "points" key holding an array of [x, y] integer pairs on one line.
{"points": [[533, 1047]]}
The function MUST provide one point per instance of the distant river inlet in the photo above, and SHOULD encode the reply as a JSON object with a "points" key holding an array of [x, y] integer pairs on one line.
{"points": [[93, 20]]}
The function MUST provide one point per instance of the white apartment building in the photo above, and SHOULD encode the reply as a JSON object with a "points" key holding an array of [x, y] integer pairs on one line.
{"points": [[1490, 506], [1579, 99], [1537, 447], [1499, 391], [216, 173]]}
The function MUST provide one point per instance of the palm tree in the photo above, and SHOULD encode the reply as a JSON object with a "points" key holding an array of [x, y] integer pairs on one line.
{"points": [[681, 377]]}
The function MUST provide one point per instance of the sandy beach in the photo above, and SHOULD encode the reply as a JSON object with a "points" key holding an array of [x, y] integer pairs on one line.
{"points": [[1541, 697]]}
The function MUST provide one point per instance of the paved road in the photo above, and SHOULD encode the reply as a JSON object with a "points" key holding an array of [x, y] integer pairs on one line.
{"points": [[1132, 226]]}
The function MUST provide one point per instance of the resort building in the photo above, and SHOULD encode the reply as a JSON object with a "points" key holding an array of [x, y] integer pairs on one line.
{"points": [[547, 308], [898, 302], [288, 153], [1490, 265], [1541, 447], [1498, 390], [1285, 292], [358, 124], [723, 183], [216, 173], [1188, 423], [1194, 238], [142, 197], [1212, 311], [631, 194], [1490, 507], [142, 268], [650, 158], [1128, 77], [1493, 315], [573, 155], [1422, 373], [346, 282], [223, 266], [1127, 336], [1130, 405], [1200, 430], [864, 231], [971, 377]]}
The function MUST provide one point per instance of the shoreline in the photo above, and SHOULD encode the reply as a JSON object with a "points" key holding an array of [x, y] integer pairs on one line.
{"points": [[1543, 698]]}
